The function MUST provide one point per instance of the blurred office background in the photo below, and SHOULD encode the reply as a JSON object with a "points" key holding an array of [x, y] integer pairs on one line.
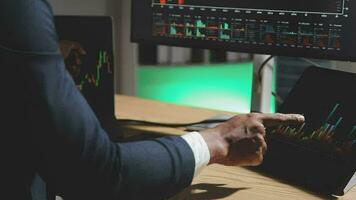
{"points": [[195, 77]]}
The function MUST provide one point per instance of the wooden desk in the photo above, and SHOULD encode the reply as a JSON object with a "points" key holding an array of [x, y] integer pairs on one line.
{"points": [[221, 182], [147, 110], [216, 181]]}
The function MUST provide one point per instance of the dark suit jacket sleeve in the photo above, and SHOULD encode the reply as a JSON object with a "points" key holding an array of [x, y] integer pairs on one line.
{"points": [[75, 155]]}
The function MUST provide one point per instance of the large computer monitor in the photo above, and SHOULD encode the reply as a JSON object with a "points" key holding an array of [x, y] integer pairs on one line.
{"points": [[304, 28]]}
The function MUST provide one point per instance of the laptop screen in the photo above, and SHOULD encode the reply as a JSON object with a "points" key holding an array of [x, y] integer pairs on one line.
{"points": [[322, 152], [87, 44]]}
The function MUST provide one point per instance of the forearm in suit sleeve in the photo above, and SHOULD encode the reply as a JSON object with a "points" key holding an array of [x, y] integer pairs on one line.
{"points": [[76, 157]]}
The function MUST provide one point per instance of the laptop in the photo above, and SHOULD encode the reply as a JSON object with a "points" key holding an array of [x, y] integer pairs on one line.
{"points": [[92, 70], [320, 154]]}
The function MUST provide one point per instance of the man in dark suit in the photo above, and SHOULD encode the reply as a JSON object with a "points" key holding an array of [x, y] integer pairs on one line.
{"points": [[49, 129]]}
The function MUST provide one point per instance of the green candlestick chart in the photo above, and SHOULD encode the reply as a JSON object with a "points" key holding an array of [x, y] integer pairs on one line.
{"points": [[324, 135], [103, 66]]}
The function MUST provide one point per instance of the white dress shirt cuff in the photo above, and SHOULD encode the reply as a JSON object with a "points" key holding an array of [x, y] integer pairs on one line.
{"points": [[200, 150]]}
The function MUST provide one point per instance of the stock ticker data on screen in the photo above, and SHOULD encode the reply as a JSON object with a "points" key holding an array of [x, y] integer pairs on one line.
{"points": [[266, 26], [335, 134], [251, 30], [327, 100], [91, 65], [92, 75]]}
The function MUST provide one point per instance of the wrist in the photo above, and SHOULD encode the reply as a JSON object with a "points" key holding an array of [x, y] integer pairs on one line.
{"points": [[218, 146]]}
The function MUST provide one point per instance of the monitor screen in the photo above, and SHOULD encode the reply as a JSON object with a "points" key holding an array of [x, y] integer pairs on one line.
{"points": [[317, 29], [91, 69]]}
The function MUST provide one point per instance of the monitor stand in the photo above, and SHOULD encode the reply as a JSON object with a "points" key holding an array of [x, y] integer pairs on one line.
{"points": [[262, 89]]}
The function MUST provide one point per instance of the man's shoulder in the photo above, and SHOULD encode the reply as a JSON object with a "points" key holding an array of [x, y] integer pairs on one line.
{"points": [[27, 27]]}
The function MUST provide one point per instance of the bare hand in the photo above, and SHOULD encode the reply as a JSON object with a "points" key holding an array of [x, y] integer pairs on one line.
{"points": [[240, 141]]}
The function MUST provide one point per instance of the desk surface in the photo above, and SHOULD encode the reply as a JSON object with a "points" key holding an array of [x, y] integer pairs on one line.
{"points": [[216, 181], [153, 111]]}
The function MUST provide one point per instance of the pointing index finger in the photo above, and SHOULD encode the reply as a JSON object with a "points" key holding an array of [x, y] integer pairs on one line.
{"points": [[280, 119]]}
